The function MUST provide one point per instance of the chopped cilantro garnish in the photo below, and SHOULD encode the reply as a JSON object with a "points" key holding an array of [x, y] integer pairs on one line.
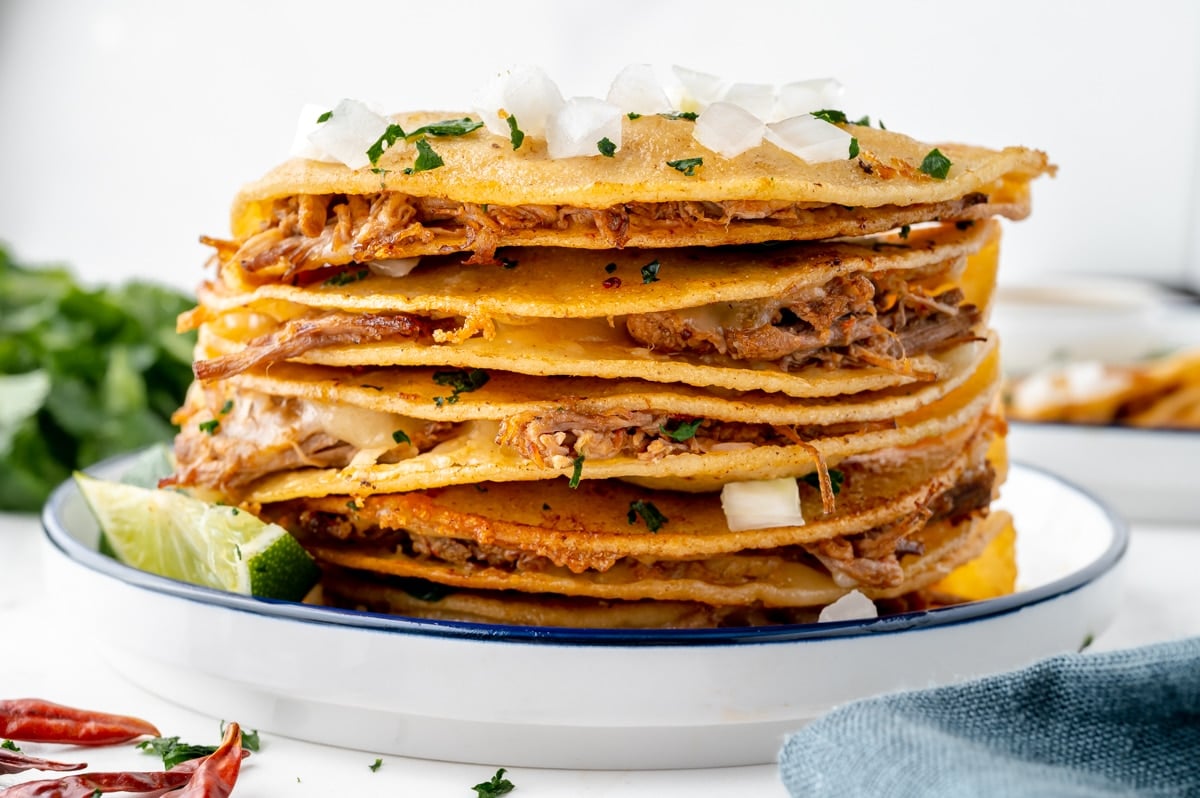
{"points": [[853, 147], [684, 430], [633, 115], [447, 127], [325, 117], [650, 272], [688, 115], [515, 134], [9, 745], [686, 165], [376, 765], [426, 158], [576, 472], [209, 426], [173, 752], [345, 278], [905, 230], [836, 478], [400, 436], [864, 122], [648, 512], [497, 786], [936, 165], [831, 116], [390, 136], [225, 408], [459, 382], [606, 147]]}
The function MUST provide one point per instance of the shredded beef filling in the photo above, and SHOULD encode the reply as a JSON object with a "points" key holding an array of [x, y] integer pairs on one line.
{"points": [[853, 320], [873, 558], [261, 435], [868, 559], [858, 319], [557, 437], [313, 231], [301, 335]]}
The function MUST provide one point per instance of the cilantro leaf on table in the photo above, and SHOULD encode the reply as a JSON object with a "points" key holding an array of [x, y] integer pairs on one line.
{"points": [[85, 373]]}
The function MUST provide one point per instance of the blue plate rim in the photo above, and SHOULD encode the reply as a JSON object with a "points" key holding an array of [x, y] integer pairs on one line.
{"points": [[72, 549]]}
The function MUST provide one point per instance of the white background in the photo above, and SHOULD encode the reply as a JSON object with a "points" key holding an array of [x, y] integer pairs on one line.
{"points": [[127, 126]]}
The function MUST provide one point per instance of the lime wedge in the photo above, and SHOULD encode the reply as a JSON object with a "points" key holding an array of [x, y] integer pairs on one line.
{"points": [[172, 534]]}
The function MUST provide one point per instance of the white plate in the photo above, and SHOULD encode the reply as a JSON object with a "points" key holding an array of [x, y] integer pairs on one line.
{"points": [[575, 698]]}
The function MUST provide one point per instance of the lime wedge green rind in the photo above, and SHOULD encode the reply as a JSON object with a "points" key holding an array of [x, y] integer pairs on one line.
{"points": [[283, 570], [172, 534]]}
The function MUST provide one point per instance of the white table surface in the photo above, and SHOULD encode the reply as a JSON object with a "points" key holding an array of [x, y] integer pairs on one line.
{"points": [[44, 654]]}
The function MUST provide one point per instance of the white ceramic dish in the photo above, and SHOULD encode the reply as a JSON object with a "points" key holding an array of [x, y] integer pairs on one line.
{"points": [[575, 699], [1059, 318], [1144, 474]]}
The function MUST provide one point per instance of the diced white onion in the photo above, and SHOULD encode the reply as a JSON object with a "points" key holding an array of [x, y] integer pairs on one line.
{"points": [[524, 92], [757, 98], [728, 129], [393, 267], [853, 606], [349, 133], [357, 426], [804, 97], [637, 89], [579, 125], [810, 138], [696, 90], [306, 124], [763, 504]]}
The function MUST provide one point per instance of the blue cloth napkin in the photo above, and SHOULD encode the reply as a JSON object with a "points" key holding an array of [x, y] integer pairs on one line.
{"points": [[1116, 723]]}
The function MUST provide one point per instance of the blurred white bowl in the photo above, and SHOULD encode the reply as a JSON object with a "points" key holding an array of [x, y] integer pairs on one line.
{"points": [[1080, 317]]}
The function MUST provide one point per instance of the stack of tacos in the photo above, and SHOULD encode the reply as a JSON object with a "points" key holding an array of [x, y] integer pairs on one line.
{"points": [[585, 391]]}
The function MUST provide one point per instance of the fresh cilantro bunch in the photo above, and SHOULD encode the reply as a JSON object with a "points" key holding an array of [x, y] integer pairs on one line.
{"points": [[84, 374]]}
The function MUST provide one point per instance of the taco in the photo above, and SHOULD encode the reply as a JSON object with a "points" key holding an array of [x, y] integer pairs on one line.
{"points": [[519, 388]]}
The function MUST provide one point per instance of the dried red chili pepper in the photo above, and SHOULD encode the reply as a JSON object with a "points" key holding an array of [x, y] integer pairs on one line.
{"points": [[217, 773], [33, 720], [16, 762], [86, 785]]}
